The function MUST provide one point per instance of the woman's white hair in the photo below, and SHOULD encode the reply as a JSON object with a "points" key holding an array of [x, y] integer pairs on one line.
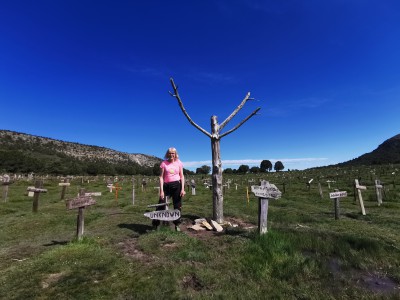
{"points": [[172, 149]]}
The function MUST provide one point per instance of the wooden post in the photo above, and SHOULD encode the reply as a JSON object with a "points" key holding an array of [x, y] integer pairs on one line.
{"points": [[337, 206], [262, 215], [80, 202], [133, 192], [264, 192], [215, 137], [6, 182], [64, 185], [193, 185], [37, 190], [116, 188], [80, 222], [320, 190], [360, 199], [378, 191]]}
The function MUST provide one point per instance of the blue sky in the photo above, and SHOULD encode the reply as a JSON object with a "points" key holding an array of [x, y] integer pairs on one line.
{"points": [[324, 73]]}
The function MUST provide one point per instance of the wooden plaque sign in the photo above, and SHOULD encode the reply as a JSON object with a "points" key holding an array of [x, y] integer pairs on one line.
{"points": [[80, 201], [36, 190], [338, 194], [93, 194], [266, 190], [164, 215]]}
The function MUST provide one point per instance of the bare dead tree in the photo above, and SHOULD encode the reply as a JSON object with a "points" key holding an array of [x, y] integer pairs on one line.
{"points": [[215, 136]]}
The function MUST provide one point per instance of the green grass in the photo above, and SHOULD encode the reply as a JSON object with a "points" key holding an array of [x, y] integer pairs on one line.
{"points": [[306, 254]]}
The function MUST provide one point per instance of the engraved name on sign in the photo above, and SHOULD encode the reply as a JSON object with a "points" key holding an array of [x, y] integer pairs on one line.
{"points": [[266, 190], [164, 215], [338, 194], [80, 201]]}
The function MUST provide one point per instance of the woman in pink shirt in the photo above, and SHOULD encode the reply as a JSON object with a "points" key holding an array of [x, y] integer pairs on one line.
{"points": [[172, 182]]}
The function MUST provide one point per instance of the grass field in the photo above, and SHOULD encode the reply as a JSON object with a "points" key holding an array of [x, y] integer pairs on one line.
{"points": [[306, 254]]}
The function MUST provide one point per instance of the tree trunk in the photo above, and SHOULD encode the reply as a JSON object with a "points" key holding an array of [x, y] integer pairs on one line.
{"points": [[218, 200]]}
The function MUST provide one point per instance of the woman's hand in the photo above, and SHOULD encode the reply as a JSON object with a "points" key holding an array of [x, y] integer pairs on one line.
{"points": [[162, 196], [183, 193]]}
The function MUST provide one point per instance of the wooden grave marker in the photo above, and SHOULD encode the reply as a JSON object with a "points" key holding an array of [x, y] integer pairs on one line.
{"points": [[94, 194], [193, 185], [163, 215], [359, 187], [133, 190], [64, 185], [336, 195], [378, 191], [116, 188], [36, 192], [264, 192], [320, 190], [5, 183], [80, 202], [309, 183]]}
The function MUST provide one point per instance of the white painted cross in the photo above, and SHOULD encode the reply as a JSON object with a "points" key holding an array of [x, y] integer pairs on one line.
{"points": [[359, 188]]}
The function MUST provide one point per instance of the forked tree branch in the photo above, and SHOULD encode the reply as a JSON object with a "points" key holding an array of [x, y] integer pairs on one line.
{"points": [[240, 124], [235, 111], [176, 95]]}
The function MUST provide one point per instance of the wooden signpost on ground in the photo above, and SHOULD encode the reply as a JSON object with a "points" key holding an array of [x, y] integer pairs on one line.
{"points": [[36, 190], [116, 188], [6, 182], [264, 192], [359, 187], [378, 191], [193, 185], [336, 195], [163, 215], [64, 188], [80, 202]]}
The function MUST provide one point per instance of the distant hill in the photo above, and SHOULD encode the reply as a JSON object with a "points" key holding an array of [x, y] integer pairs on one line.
{"points": [[20, 152], [387, 153]]}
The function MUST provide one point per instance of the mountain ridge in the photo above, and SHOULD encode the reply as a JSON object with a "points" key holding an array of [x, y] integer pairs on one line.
{"points": [[387, 152], [32, 149]]}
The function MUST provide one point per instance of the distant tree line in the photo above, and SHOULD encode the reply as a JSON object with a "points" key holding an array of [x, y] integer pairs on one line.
{"points": [[56, 163], [265, 166]]}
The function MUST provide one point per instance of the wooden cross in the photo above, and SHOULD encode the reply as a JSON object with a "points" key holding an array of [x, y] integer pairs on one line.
{"points": [[64, 185], [37, 190], [116, 188], [359, 187], [309, 183]]}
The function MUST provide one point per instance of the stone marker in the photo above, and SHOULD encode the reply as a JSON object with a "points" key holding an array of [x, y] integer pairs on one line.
{"points": [[216, 226]]}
